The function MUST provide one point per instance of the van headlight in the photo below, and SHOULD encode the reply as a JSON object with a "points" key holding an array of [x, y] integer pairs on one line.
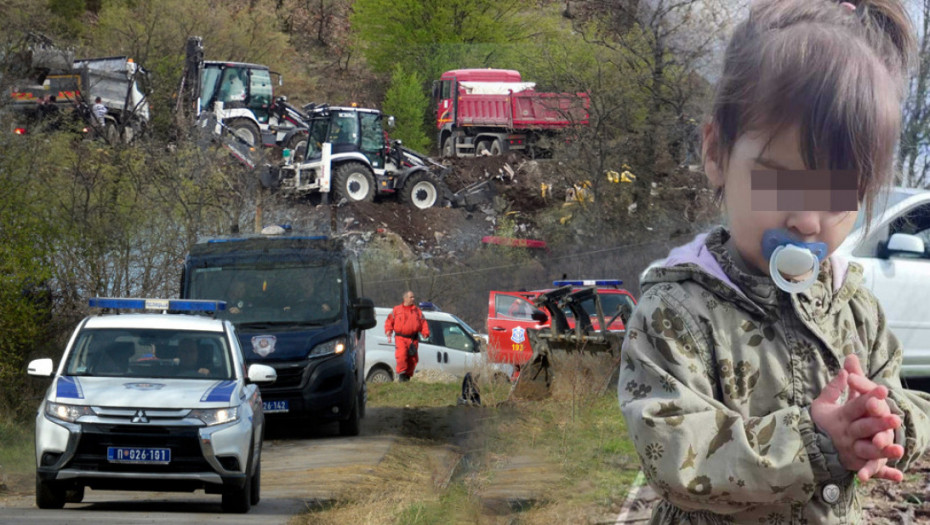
{"points": [[69, 413], [331, 347], [216, 416]]}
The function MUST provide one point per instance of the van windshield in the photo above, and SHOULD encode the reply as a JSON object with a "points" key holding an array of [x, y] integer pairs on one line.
{"points": [[283, 295]]}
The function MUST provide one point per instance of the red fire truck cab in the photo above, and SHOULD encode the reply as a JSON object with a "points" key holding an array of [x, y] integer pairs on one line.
{"points": [[510, 316]]}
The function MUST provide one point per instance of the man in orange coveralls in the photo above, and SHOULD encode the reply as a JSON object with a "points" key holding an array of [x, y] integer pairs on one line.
{"points": [[406, 321]]}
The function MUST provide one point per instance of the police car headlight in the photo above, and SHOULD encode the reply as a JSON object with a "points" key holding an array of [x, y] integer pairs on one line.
{"points": [[331, 347], [216, 416], [69, 413]]}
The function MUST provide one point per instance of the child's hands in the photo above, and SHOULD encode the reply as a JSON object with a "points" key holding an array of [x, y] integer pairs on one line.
{"points": [[859, 420], [881, 447]]}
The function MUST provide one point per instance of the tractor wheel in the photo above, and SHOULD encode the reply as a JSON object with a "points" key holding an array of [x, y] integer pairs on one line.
{"points": [[448, 147], [423, 190], [298, 146], [482, 150], [496, 148], [354, 181], [246, 131]]}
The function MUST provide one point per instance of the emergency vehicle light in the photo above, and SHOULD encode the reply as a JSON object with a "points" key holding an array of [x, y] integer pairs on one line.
{"points": [[175, 305], [589, 282]]}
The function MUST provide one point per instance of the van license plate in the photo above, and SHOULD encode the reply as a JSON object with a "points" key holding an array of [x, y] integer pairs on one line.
{"points": [[149, 456], [276, 407]]}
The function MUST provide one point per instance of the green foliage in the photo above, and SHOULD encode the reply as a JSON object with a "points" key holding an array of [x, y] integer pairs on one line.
{"points": [[24, 270], [408, 104], [67, 16], [432, 36]]}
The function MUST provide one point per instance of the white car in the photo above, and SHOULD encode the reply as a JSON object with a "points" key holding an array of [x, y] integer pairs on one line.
{"points": [[151, 402], [896, 265], [453, 347]]}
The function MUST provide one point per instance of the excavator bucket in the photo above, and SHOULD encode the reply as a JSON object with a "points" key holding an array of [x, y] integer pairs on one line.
{"points": [[587, 357]]}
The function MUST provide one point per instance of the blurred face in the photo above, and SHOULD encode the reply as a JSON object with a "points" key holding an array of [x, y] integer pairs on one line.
{"points": [[408, 299], [748, 220]]}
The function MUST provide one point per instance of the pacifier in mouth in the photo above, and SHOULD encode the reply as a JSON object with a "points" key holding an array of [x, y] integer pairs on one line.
{"points": [[793, 258]]}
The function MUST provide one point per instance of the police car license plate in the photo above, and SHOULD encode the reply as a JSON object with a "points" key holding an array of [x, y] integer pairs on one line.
{"points": [[279, 407], [151, 456]]}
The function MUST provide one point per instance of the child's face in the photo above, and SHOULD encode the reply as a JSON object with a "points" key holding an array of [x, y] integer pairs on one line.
{"points": [[753, 152]]}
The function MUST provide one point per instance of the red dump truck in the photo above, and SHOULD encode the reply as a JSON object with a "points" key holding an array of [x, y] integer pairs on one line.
{"points": [[492, 111]]}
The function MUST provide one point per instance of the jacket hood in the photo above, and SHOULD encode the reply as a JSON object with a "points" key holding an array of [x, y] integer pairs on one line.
{"points": [[695, 261]]}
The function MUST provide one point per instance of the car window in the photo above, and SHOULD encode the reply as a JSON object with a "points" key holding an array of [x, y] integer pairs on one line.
{"points": [[435, 333], [510, 307], [454, 336]]}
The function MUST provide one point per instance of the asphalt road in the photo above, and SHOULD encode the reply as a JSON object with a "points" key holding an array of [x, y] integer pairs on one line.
{"points": [[298, 471]]}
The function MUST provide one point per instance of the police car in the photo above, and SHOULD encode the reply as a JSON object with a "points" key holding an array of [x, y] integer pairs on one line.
{"points": [[144, 401]]}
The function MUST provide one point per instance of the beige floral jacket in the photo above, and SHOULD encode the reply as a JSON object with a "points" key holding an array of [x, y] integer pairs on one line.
{"points": [[719, 371]]}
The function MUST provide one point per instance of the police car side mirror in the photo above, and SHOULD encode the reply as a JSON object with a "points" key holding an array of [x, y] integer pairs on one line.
{"points": [[364, 313], [539, 316], [41, 367], [262, 374]]}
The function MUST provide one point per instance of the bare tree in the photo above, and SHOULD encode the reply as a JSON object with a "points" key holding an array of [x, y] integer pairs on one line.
{"points": [[913, 160]]}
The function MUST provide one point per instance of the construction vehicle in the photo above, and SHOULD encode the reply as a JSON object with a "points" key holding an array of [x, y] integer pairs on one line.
{"points": [[493, 111], [239, 97], [41, 71], [346, 152]]}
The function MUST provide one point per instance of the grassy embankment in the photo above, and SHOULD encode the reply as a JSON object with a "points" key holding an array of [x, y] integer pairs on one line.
{"points": [[17, 455], [576, 442]]}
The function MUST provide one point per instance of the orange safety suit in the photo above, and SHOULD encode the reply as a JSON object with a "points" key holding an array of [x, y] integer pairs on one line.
{"points": [[407, 323]]}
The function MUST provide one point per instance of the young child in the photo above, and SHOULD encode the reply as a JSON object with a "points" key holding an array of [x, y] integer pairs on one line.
{"points": [[759, 378]]}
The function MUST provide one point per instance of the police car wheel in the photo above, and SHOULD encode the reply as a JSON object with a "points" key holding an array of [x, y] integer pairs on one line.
{"points": [[239, 500], [49, 495], [75, 495], [256, 490]]}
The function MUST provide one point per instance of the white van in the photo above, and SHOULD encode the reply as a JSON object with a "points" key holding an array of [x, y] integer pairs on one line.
{"points": [[453, 347]]}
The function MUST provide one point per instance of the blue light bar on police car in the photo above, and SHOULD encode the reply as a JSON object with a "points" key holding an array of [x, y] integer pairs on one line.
{"points": [[175, 305], [589, 282]]}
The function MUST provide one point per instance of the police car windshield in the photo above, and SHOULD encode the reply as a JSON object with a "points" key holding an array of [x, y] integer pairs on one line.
{"points": [[148, 353], [297, 295]]}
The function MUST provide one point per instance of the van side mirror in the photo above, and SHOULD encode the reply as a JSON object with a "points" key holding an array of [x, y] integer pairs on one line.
{"points": [[435, 89], [391, 121], [364, 310]]}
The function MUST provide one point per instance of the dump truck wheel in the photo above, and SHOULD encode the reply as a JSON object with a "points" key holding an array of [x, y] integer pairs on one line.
{"points": [[448, 147], [497, 148], [482, 149], [355, 182], [422, 190], [247, 131]]}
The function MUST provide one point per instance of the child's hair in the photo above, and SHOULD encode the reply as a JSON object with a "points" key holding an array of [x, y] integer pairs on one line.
{"points": [[839, 74]]}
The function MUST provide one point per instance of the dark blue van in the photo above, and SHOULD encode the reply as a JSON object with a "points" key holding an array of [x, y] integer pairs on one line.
{"points": [[297, 306]]}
